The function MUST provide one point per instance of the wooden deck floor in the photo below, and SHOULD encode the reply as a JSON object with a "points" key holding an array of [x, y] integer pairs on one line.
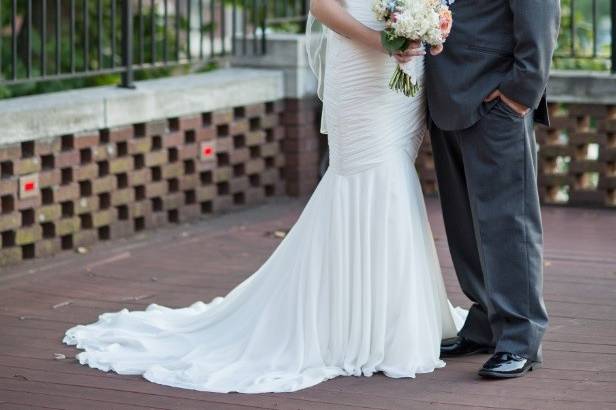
{"points": [[179, 265]]}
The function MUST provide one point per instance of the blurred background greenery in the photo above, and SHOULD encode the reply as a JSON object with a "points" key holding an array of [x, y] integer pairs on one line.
{"points": [[585, 35], [104, 47], [584, 42]]}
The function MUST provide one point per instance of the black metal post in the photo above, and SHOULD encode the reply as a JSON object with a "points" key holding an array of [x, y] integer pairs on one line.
{"points": [[29, 21], [212, 28], [613, 42], [141, 34], [72, 35], [305, 10], [86, 37], [166, 33], [255, 26], [223, 30], [177, 30], [188, 29], [113, 33], [1, 71], [572, 27], [263, 12], [153, 32], [14, 40], [233, 27], [58, 36], [100, 33], [44, 38], [201, 33], [127, 45]]}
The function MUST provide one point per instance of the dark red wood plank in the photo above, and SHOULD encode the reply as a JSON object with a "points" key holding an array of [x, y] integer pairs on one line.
{"points": [[39, 300]]}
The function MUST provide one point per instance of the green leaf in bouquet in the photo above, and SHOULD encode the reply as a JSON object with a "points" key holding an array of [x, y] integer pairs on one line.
{"points": [[393, 43]]}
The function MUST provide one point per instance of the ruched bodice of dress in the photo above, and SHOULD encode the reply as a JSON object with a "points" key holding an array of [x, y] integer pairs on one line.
{"points": [[367, 123], [362, 11]]}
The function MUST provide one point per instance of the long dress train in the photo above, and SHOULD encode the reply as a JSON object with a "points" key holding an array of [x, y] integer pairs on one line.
{"points": [[355, 287]]}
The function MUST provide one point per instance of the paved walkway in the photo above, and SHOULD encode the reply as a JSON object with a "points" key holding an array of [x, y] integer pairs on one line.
{"points": [[176, 266]]}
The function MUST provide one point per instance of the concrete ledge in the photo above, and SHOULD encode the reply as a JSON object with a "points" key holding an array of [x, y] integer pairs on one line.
{"points": [[582, 87], [49, 115], [285, 52]]}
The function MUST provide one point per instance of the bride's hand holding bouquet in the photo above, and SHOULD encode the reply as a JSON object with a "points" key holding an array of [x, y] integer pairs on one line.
{"points": [[408, 22]]}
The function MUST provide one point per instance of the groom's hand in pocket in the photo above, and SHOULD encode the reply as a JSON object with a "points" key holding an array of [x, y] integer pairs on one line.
{"points": [[514, 105], [413, 50]]}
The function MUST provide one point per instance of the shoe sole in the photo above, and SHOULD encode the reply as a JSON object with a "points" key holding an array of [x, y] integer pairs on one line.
{"points": [[486, 374], [484, 350]]}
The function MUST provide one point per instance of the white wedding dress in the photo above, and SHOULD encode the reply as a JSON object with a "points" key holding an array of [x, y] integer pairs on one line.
{"points": [[355, 288]]}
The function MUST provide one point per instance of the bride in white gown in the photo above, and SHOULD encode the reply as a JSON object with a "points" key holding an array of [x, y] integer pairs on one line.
{"points": [[355, 288]]}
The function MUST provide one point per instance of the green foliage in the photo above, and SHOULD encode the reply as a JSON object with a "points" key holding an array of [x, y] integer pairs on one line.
{"points": [[392, 43], [293, 10], [105, 51], [288, 27], [104, 48], [576, 48], [578, 42]]}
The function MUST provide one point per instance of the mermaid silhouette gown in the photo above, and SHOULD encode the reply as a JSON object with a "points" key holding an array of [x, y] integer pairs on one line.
{"points": [[355, 288]]}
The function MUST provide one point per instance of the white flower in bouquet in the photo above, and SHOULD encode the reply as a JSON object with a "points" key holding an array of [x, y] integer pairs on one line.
{"points": [[427, 21]]}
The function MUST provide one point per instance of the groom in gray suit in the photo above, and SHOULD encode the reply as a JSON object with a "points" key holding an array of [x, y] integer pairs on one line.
{"points": [[485, 91]]}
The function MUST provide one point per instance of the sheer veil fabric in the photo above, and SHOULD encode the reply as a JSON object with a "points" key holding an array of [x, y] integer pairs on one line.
{"points": [[316, 51], [355, 287]]}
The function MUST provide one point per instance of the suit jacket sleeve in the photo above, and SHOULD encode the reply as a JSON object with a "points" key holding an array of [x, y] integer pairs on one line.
{"points": [[535, 31]]}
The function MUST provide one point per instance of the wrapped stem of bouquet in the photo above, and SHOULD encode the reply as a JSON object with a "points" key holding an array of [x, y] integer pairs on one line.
{"points": [[406, 21]]}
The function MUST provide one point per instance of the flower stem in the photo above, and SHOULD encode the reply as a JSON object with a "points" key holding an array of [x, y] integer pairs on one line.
{"points": [[402, 82]]}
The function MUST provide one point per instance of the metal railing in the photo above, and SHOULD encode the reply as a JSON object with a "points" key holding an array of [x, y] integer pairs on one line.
{"points": [[45, 40], [284, 12], [587, 30]]}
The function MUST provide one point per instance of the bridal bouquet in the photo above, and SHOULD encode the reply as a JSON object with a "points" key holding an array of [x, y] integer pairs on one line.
{"points": [[426, 21]]}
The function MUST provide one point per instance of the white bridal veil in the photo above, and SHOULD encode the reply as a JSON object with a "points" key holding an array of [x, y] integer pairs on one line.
{"points": [[316, 45]]}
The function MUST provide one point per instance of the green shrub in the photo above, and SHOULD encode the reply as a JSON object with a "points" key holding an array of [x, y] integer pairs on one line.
{"points": [[100, 46]]}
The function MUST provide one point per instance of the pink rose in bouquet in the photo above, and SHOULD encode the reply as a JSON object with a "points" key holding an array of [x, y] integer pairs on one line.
{"points": [[445, 22]]}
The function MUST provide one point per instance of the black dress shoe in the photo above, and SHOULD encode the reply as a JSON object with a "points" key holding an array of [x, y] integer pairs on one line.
{"points": [[506, 366], [461, 346]]}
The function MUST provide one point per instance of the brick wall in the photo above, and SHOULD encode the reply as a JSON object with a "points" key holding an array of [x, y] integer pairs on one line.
{"points": [[578, 155], [76, 189], [304, 146], [425, 168], [73, 190]]}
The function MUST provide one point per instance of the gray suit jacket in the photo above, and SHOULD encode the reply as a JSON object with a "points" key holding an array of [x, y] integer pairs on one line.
{"points": [[504, 44]]}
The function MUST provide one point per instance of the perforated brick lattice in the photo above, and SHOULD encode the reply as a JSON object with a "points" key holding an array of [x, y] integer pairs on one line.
{"points": [[74, 190], [577, 156]]}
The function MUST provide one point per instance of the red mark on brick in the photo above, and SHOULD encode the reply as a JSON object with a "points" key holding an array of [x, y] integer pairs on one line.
{"points": [[29, 186], [207, 151]]}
